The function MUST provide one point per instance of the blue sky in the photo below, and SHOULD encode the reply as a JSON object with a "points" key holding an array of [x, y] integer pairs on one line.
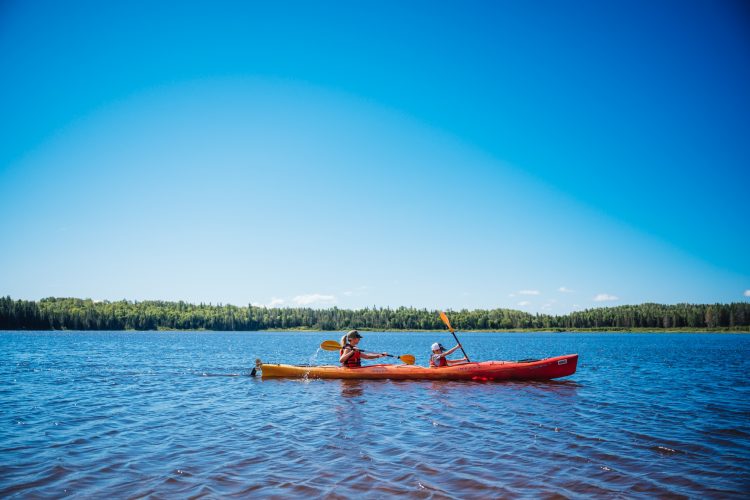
{"points": [[544, 156]]}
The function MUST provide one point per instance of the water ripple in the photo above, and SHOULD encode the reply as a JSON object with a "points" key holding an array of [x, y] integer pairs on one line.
{"points": [[175, 415]]}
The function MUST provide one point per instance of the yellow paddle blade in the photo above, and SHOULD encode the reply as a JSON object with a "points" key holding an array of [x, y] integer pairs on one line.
{"points": [[408, 359], [445, 320], [330, 345]]}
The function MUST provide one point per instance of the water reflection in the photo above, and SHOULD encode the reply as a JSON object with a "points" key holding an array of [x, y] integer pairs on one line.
{"points": [[352, 388], [565, 388], [569, 387]]}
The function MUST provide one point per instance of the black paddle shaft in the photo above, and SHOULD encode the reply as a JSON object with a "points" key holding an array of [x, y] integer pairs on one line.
{"points": [[368, 352], [462, 347]]}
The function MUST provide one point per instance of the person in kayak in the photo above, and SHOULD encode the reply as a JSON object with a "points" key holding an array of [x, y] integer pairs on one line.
{"points": [[350, 356], [438, 356]]}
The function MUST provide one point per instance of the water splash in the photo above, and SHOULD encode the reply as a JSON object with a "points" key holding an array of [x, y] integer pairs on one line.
{"points": [[314, 358]]}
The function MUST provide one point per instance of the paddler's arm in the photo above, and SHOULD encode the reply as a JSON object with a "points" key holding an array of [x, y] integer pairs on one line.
{"points": [[449, 351], [372, 355], [347, 354]]}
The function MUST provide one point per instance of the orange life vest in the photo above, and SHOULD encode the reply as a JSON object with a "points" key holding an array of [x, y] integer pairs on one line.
{"points": [[353, 360]]}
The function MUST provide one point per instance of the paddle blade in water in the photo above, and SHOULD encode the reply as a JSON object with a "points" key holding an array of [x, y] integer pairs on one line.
{"points": [[445, 320], [330, 345]]}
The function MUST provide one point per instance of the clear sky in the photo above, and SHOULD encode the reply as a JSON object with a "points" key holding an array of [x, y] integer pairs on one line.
{"points": [[545, 156]]}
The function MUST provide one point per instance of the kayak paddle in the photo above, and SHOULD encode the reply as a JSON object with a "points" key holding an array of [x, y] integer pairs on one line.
{"points": [[332, 345], [448, 324]]}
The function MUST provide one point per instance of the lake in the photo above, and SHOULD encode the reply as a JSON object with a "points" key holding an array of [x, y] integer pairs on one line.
{"points": [[175, 414]]}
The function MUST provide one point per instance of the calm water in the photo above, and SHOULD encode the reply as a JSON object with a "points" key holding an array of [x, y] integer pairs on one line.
{"points": [[175, 414]]}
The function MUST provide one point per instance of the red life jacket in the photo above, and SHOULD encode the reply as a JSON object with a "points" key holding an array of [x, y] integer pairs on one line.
{"points": [[354, 360], [441, 361]]}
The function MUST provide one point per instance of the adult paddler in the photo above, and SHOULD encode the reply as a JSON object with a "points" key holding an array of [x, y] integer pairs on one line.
{"points": [[349, 355]]}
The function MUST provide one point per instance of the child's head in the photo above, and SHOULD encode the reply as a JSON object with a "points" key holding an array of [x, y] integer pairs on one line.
{"points": [[437, 347], [353, 337]]}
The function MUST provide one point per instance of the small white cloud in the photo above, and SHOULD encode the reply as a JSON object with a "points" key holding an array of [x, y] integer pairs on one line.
{"points": [[747, 293], [275, 302], [565, 289], [605, 297], [529, 292], [313, 299], [524, 303]]}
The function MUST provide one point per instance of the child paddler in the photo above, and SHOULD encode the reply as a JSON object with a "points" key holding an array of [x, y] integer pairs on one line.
{"points": [[349, 355], [438, 356]]}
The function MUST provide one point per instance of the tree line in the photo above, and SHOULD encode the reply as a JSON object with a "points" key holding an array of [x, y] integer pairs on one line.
{"points": [[86, 314]]}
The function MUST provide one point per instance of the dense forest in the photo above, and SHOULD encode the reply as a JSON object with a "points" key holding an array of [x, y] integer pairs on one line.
{"points": [[79, 314]]}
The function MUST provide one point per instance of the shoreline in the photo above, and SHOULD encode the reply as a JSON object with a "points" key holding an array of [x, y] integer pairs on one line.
{"points": [[400, 330]]}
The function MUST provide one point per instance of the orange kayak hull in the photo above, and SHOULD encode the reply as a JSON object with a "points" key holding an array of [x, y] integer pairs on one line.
{"points": [[543, 369]]}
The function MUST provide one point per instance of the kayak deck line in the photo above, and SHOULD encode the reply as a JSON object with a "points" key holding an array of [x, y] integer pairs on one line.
{"points": [[542, 369]]}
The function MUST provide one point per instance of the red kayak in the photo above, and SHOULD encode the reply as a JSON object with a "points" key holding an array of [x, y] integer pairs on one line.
{"points": [[542, 369]]}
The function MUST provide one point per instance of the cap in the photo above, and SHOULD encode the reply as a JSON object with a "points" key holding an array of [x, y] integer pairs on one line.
{"points": [[354, 334], [437, 347]]}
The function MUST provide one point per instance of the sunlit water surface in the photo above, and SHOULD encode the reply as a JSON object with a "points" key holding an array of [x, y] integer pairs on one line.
{"points": [[175, 414]]}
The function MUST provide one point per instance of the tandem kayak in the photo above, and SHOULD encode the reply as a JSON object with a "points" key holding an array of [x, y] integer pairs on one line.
{"points": [[542, 369]]}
